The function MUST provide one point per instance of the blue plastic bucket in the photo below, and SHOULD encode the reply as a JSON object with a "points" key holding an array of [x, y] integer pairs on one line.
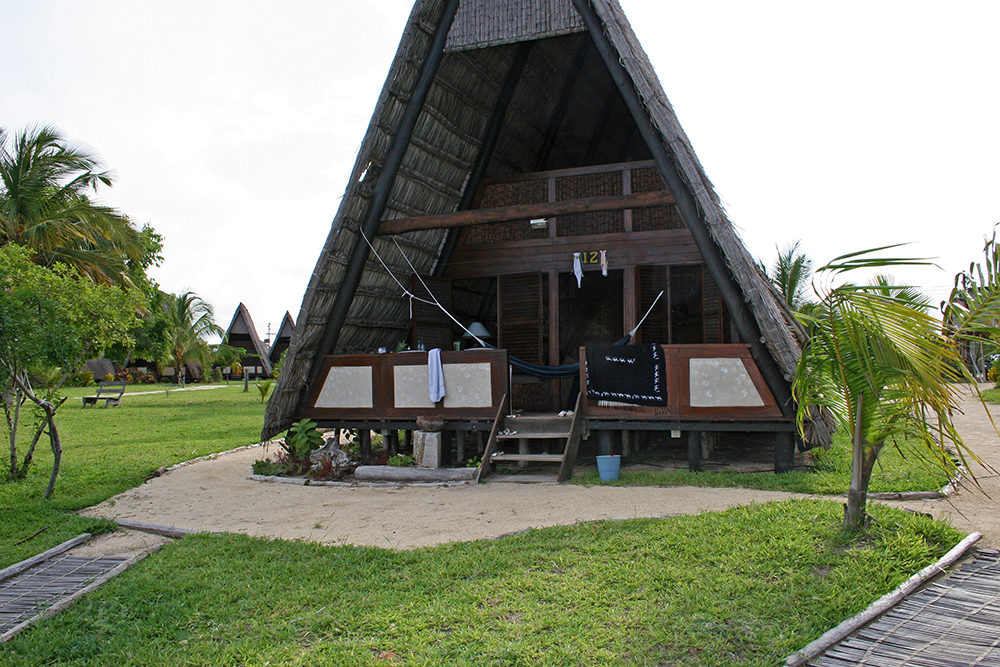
{"points": [[608, 467]]}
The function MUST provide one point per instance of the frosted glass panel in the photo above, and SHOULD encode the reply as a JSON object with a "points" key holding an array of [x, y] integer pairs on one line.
{"points": [[722, 383], [468, 386], [410, 384], [347, 387]]}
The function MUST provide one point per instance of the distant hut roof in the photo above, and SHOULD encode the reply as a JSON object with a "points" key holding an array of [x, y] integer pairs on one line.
{"points": [[283, 338], [242, 329], [487, 41]]}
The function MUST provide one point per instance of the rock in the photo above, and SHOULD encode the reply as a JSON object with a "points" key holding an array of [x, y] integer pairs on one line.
{"points": [[331, 450]]}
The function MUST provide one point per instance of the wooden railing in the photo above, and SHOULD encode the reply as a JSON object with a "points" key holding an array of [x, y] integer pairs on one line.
{"points": [[704, 383], [378, 387]]}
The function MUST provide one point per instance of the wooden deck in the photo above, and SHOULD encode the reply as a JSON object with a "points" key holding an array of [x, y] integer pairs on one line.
{"points": [[952, 622]]}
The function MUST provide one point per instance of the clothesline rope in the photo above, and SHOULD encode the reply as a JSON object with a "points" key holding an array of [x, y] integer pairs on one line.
{"points": [[565, 370]]}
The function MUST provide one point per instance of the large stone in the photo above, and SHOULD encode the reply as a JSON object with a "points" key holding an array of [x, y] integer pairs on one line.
{"points": [[427, 449], [333, 452]]}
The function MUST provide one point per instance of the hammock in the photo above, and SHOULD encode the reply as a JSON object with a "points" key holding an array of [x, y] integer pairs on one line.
{"points": [[553, 372]]}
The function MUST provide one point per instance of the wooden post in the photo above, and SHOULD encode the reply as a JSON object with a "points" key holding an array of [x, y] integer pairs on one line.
{"points": [[784, 451], [605, 447], [364, 442], [460, 447], [523, 448], [694, 451]]}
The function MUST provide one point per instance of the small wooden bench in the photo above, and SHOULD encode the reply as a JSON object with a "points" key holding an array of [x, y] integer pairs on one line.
{"points": [[109, 392]]}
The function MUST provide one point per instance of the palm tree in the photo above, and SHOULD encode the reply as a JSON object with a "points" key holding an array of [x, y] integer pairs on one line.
{"points": [[45, 205], [191, 324], [790, 274], [880, 364]]}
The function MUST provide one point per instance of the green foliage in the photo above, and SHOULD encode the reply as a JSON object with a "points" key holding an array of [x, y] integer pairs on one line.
{"points": [[190, 324], [302, 438], [972, 312], [276, 371], [46, 185], [790, 274], [84, 378], [264, 388], [227, 355], [878, 363], [400, 461], [50, 317], [747, 586]]}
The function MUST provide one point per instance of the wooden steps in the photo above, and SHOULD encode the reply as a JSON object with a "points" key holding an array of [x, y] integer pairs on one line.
{"points": [[526, 429]]}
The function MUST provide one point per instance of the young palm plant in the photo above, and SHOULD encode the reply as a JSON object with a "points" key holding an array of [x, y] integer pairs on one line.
{"points": [[190, 325], [881, 365], [791, 273]]}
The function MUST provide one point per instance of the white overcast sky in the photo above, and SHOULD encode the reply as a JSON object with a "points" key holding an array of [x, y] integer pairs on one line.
{"points": [[233, 125]]}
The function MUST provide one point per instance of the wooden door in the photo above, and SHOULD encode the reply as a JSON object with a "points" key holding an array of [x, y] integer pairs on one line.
{"points": [[520, 316]]}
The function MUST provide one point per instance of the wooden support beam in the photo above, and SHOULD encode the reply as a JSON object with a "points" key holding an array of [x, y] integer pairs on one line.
{"points": [[482, 216]]}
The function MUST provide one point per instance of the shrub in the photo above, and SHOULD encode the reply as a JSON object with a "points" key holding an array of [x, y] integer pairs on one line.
{"points": [[84, 378], [302, 438], [400, 461], [108, 378]]}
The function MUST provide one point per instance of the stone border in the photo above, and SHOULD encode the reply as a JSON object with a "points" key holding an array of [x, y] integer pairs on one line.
{"points": [[301, 481]]}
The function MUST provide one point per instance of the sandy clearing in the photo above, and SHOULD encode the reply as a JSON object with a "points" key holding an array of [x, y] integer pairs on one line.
{"points": [[216, 495]]}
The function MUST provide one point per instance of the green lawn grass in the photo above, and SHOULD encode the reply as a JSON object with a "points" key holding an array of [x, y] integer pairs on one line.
{"points": [[830, 473], [991, 395], [742, 587], [747, 586], [109, 450]]}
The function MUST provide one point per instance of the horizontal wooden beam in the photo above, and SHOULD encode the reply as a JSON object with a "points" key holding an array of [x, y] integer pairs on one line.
{"points": [[481, 216]]}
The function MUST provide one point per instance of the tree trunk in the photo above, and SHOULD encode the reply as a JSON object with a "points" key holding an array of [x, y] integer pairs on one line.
{"points": [[56, 449], [857, 495], [862, 464], [12, 403]]}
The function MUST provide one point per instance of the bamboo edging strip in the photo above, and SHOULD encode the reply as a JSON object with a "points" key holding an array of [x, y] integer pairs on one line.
{"points": [[880, 606], [24, 565]]}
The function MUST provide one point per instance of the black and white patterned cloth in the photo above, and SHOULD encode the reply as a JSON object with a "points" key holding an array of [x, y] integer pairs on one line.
{"points": [[633, 374]]}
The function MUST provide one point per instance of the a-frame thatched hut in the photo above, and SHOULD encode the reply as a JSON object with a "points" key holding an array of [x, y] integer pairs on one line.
{"points": [[511, 135], [282, 339], [242, 333]]}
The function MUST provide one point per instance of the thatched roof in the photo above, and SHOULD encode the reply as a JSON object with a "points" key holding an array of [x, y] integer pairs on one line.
{"points": [[565, 110], [241, 331], [282, 339]]}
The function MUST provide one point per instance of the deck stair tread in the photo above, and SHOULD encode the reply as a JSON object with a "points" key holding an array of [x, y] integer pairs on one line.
{"points": [[536, 458], [519, 434]]}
